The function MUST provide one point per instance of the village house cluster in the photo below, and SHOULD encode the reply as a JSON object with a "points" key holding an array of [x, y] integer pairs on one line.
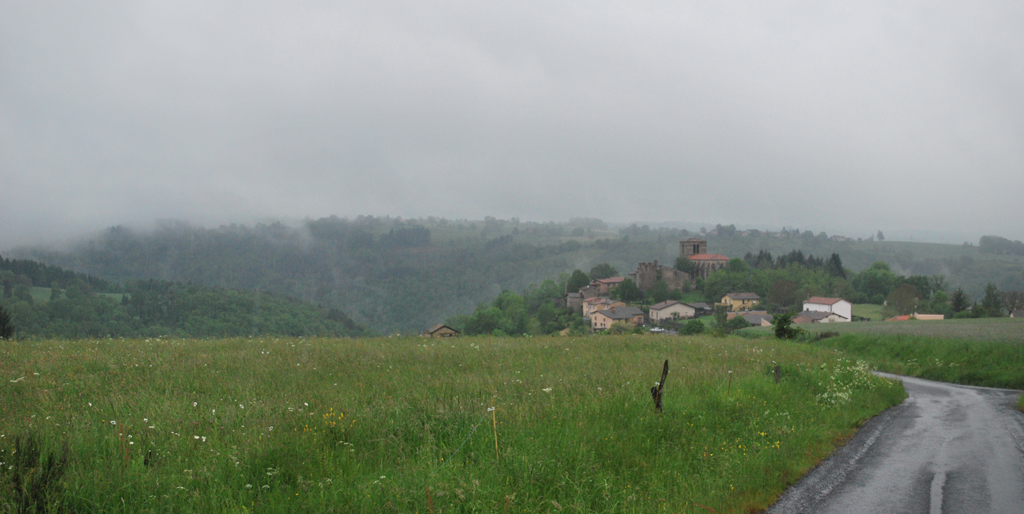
{"points": [[594, 302]]}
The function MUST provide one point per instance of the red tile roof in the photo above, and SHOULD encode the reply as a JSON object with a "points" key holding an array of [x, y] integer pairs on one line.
{"points": [[708, 257], [610, 280]]}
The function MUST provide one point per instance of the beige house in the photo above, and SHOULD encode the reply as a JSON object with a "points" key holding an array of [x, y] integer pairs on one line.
{"points": [[605, 285], [670, 309], [440, 330], [592, 305], [601, 320], [740, 301]]}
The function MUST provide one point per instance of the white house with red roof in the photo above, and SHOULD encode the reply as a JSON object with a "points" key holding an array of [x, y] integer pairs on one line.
{"points": [[832, 305]]}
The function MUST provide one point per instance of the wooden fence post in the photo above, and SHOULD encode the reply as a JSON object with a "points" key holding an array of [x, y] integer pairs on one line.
{"points": [[656, 392]]}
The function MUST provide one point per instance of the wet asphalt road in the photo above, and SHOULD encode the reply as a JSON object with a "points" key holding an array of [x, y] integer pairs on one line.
{"points": [[946, 449]]}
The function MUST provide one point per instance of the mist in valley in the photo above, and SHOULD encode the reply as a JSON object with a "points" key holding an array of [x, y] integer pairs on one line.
{"points": [[905, 118]]}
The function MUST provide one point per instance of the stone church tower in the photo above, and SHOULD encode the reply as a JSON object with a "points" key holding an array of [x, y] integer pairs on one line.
{"points": [[692, 246]]}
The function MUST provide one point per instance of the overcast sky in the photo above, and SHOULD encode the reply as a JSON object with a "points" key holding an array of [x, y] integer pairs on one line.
{"points": [[850, 118]]}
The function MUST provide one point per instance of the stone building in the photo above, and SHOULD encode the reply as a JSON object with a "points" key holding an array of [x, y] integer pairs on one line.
{"points": [[697, 251], [692, 246], [648, 273]]}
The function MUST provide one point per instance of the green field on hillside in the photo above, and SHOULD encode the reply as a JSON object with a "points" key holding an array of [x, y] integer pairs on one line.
{"points": [[404, 424], [42, 295], [868, 310], [983, 329]]}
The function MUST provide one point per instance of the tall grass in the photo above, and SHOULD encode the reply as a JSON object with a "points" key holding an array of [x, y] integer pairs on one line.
{"points": [[403, 425], [957, 360], [1006, 330]]}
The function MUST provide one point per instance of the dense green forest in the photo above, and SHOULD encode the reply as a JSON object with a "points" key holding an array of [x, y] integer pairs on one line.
{"points": [[404, 275], [75, 305]]}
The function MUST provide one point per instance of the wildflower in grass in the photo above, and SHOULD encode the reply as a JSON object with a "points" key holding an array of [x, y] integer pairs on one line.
{"points": [[546, 389], [195, 404]]}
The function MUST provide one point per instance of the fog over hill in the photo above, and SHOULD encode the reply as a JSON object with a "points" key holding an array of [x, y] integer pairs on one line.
{"points": [[841, 118], [404, 275]]}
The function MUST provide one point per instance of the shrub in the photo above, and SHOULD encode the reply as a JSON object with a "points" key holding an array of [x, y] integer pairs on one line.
{"points": [[693, 327], [620, 327], [784, 328], [736, 323]]}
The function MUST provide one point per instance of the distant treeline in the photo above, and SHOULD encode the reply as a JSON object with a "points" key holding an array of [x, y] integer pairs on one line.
{"points": [[14, 271], [152, 308], [1000, 245]]}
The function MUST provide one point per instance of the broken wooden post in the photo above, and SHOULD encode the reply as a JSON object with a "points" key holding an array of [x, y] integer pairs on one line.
{"points": [[656, 391]]}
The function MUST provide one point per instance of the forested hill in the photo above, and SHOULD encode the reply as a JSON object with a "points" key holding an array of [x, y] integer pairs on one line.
{"points": [[389, 275], [47, 301], [395, 275]]}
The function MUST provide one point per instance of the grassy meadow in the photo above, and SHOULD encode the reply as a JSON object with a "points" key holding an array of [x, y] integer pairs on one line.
{"points": [[1004, 330], [982, 352], [869, 311], [405, 424]]}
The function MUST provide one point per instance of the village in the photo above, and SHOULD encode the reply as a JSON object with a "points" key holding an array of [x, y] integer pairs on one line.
{"points": [[605, 305], [594, 301]]}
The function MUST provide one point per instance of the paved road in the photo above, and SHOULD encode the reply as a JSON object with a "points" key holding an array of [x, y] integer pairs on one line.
{"points": [[947, 449]]}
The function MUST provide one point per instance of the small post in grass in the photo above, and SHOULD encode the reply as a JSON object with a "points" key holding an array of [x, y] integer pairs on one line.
{"points": [[728, 389], [656, 391], [494, 419], [778, 373]]}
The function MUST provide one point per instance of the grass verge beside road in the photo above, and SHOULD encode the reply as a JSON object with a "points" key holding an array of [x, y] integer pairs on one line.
{"points": [[982, 352], [960, 361], [403, 425]]}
